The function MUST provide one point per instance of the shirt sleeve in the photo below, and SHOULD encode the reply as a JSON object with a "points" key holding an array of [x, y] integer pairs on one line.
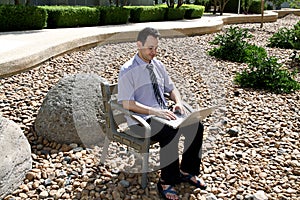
{"points": [[125, 86]]}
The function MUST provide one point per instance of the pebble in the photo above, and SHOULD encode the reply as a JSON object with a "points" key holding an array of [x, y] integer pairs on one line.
{"points": [[252, 147]]}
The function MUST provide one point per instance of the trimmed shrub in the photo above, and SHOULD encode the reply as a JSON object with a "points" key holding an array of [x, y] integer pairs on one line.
{"points": [[205, 3], [113, 15], [174, 13], [193, 11], [17, 18], [70, 16], [146, 13]]}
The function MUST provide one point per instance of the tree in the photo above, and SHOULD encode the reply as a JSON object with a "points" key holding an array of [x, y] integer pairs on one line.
{"points": [[215, 5], [118, 3], [294, 3], [171, 3], [262, 13], [246, 5], [222, 4]]}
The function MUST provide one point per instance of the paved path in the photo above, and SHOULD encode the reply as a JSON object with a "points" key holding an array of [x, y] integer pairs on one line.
{"points": [[22, 50]]}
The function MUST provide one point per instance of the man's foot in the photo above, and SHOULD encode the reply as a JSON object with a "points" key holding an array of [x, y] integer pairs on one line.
{"points": [[193, 180], [167, 191]]}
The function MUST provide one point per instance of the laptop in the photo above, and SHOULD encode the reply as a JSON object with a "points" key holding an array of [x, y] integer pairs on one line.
{"points": [[187, 119]]}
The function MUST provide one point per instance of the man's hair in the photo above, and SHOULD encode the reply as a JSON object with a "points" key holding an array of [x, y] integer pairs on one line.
{"points": [[143, 34]]}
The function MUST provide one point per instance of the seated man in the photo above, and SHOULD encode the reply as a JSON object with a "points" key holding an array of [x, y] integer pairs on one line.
{"points": [[142, 82]]}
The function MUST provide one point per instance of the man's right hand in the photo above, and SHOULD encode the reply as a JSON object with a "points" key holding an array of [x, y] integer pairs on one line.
{"points": [[167, 114]]}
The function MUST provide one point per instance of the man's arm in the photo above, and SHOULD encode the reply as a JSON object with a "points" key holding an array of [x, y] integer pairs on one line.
{"points": [[176, 97], [143, 109]]}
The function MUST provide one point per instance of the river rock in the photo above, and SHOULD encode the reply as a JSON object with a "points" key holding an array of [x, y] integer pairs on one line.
{"points": [[15, 156], [72, 111]]}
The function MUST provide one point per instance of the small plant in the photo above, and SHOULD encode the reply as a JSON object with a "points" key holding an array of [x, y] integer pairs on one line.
{"points": [[296, 41], [286, 38], [234, 47], [282, 39], [266, 73]]}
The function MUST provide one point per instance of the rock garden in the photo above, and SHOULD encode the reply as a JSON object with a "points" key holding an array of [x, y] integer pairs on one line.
{"points": [[251, 151]]}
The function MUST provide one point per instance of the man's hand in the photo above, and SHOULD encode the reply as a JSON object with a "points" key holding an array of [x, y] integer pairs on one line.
{"points": [[167, 114], [178, 108]]}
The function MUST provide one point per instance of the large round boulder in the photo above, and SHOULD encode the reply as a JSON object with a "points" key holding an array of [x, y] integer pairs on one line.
{"points": [[15, 156], [72, 111]]}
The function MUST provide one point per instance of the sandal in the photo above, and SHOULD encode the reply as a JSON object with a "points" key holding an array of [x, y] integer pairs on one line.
{"points": [[188, 178], [164, 192]]}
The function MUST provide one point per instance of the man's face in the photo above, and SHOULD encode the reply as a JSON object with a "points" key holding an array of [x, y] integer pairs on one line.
{"points": [[148, 51]]}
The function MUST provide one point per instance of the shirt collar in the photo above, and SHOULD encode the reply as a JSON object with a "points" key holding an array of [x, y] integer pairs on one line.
{"points": [[140, 61]]}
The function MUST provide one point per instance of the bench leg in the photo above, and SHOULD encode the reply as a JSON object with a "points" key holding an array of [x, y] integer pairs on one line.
{"points": [[145, 169], [104, 150]]}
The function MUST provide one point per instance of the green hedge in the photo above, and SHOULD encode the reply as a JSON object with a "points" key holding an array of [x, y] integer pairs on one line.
{"points": [[17, 18], [174, 13], [205, 3], [162, 12], [70, 16], [146, 13], [37, 17], [113, 15], [193, 11]]}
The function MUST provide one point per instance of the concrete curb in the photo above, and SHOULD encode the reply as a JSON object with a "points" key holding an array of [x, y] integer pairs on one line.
{"points": [[38, 46]]}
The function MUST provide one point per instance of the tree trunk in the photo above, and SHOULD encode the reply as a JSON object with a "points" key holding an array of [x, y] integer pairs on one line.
{"points": [[262, 14], [180, 2], [222, 4], [170, 3]]}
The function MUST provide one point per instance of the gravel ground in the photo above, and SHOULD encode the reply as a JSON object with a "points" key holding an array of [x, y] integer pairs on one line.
{"points": [[255, 153]]}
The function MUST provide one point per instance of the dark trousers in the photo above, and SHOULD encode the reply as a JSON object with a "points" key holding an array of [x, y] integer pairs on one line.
{"points": [[168, 139]]}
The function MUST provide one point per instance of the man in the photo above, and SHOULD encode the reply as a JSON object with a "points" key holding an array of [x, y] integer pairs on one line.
{"points": [[142, 82]]}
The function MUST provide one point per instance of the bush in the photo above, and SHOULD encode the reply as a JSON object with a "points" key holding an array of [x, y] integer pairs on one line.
{"points": [[234, 47], [70, 16], [17, 18], [232, 6], [113, 15], [266, 73], [174, 13], [294, 3], [205, 3], [193, 11], [256, 7], [146, 13], [284, 38], [296, 41]]}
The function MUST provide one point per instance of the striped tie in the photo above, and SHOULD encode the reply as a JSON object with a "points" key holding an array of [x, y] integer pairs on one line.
{"points": [[158, 97]]}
